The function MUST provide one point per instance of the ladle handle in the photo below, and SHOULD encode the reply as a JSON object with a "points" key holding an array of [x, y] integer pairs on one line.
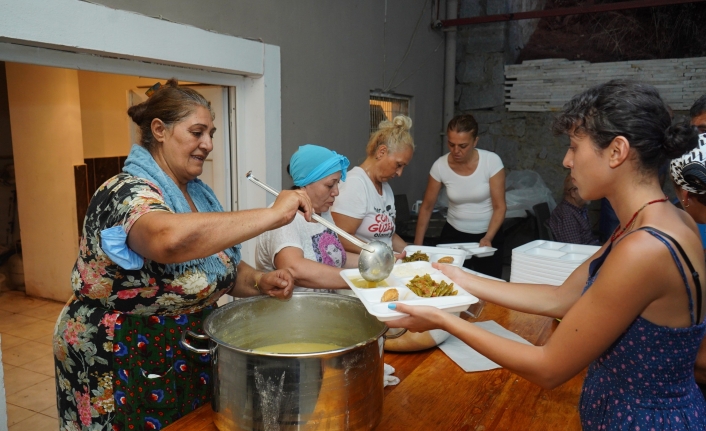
{"points": [[316, 217]]}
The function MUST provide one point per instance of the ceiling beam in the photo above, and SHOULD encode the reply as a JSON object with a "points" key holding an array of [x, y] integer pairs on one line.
{"points": [[578, 10]]}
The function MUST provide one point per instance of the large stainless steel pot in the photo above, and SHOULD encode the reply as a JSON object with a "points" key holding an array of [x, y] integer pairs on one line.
{"points": [[335, 390]]}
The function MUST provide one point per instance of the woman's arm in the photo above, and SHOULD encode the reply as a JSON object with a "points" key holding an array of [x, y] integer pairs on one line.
{"points": [[595, 321], [172, 238], [542, 299], [251, 282], [351, 260], [398, 244], [350, 225], [497, 197], [430, 196], [308, 273]]}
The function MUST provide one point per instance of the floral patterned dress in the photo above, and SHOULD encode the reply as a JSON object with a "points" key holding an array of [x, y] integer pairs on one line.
{"points": [[119, 362]]}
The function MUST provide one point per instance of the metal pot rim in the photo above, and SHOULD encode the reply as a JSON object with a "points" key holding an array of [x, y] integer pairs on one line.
{"points": [[238, 302]]}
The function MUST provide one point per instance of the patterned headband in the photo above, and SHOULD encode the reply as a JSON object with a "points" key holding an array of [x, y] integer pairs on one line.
{"points": [[689, 170]]}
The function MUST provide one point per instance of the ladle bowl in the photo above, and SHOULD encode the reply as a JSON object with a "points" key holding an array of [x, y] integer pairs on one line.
{"points": [[376, 266]]}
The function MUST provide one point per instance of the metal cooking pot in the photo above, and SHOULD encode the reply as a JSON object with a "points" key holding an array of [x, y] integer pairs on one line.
{"points": [[339, 389]]}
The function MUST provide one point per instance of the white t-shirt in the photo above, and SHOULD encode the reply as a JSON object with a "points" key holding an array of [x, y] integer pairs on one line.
{"points": [[470, 207], [318, 243], [359, 199]]}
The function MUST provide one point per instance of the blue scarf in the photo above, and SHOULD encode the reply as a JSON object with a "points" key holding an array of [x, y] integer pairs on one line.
{"points": [[140, 163], [311, 163]]}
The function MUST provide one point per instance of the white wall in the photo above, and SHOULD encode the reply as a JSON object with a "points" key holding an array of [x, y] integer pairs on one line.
{"points": [[331, 57], [45, 118]]}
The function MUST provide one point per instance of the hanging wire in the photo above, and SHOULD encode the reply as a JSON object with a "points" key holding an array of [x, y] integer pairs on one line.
{"points": [[409, 45], [384, 49], [417, 69]]}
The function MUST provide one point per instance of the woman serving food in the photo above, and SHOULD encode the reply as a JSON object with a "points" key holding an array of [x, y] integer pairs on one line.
{"points": [[156, 253], [311, 252]]}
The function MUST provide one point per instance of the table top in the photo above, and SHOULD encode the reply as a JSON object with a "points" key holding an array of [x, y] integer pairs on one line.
{"points": [[436, 394]]}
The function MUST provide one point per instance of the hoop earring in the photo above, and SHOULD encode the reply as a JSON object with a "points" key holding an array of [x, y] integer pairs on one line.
{"points": [[685, 201]]}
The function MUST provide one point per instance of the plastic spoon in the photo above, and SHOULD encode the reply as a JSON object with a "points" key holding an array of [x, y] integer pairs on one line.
{"points": [[376, 259]]}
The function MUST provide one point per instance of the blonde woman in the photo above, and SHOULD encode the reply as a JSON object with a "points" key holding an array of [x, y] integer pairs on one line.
{"points": [[366, 204]]}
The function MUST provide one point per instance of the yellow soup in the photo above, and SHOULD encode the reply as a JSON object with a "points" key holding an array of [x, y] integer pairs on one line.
{"points": [[297, 348], [365, 284]]}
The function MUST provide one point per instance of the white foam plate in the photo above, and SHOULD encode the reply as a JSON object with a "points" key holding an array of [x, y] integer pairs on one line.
{"points": [[482, 251], [557, 264], [370, 297], [539, 276], [436, 253], [580, 248], [461, 246], [517, 268], [545, 253], [472, 249]]}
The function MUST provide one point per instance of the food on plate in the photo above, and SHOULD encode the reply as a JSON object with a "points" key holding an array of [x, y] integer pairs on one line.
{"points": [[446, 259], [390, 295], [365, 284], [417, 256], [426, 287], [405, 271]]}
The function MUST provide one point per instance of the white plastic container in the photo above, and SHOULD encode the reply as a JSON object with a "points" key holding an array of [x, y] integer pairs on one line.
{"points": [[471, 248], [370, 297], [436, 253]]}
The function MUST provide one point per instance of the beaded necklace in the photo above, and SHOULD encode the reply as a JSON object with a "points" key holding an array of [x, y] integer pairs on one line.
{"points": [[629, 224]]}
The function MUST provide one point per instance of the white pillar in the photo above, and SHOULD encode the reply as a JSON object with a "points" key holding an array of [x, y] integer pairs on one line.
{"points": [[45, 118]]}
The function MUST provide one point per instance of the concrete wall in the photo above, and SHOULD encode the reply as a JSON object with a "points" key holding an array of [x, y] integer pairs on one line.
{"points": [[47, 141], [332, 56]]}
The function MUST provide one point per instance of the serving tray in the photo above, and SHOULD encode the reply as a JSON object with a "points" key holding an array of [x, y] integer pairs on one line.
{"points": [[370, 297], [471, 248]]}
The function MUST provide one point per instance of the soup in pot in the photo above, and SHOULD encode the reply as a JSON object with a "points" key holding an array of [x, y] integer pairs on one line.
{"points": [[297, 348]]}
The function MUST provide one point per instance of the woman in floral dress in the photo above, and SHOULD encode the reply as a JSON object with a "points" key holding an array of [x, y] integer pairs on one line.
{"points": [[156, 253]]}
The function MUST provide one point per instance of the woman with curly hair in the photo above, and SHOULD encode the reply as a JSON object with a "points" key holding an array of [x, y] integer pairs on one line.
{"points": [[632, 314]]}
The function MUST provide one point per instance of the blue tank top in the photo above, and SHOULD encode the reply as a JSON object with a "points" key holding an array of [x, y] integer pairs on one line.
{"points": [[645, 379]]}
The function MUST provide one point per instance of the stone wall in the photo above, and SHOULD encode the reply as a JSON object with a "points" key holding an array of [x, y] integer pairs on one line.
{"points": [[522, 139]]}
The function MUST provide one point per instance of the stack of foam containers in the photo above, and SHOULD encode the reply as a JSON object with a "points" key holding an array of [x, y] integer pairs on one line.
{"points": [[548, 262]]}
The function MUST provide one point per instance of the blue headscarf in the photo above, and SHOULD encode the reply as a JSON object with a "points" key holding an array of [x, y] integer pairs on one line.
{"points": [[311, 163]]}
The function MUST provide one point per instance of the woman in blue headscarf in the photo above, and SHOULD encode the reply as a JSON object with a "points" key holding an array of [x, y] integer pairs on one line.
{"points": [[312, 253]]}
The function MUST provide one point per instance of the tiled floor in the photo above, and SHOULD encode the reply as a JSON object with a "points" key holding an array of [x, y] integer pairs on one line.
{"points": [[26, 327]]}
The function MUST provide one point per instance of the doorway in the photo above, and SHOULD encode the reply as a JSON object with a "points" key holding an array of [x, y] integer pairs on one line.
{"points": [[71, 133]]}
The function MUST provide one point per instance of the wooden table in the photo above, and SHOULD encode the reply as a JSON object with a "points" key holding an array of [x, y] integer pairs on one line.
{"points": [[434, 394]]}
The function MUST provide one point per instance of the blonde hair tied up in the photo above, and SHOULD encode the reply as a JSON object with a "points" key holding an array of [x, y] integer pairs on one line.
{"points": [[392, 134]]}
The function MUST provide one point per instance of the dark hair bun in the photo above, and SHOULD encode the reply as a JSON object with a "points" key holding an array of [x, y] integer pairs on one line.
{"points": [[137, 112], [679, 138]]}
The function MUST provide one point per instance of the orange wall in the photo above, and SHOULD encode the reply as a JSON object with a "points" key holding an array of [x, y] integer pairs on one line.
{"points": [[45, 117], [104, 102]]}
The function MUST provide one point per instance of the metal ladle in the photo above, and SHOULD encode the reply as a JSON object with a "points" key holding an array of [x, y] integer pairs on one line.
{"points": [[376, 259]]}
